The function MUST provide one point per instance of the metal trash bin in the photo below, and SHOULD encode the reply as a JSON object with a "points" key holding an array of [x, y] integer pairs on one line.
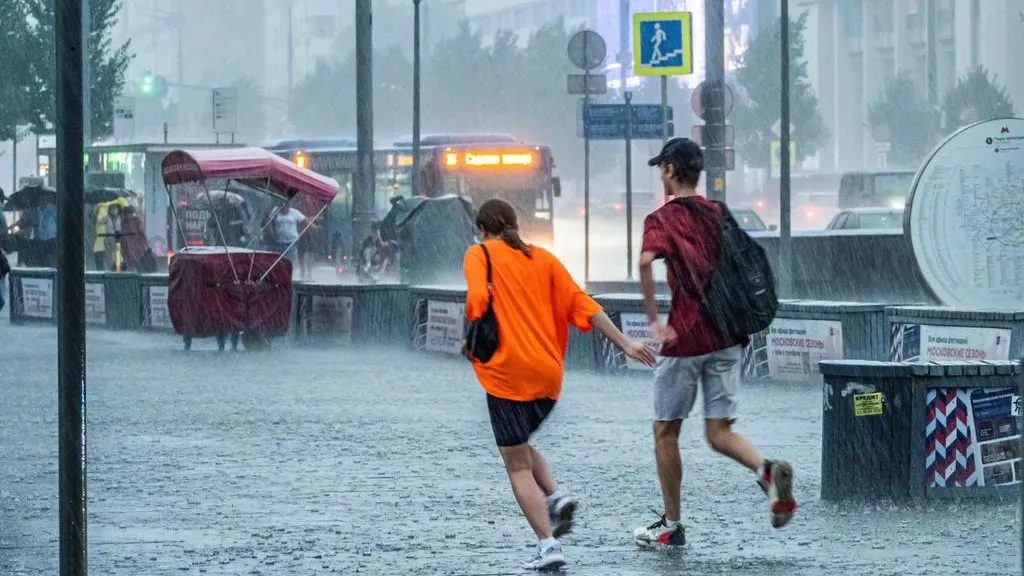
{"points": [[908, 431]]}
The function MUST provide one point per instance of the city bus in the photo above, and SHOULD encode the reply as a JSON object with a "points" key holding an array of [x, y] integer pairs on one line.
{"points": [[476, 167]]}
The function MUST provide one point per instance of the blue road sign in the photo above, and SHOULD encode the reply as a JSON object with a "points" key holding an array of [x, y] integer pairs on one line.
{"points": [[662, 44], [608, 121]]}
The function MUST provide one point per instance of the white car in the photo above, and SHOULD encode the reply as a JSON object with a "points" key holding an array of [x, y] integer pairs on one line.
{"points": [[867, 219]]}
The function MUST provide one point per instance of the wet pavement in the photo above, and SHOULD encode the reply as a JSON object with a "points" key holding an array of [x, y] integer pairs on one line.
{"points": [[381, 462]]}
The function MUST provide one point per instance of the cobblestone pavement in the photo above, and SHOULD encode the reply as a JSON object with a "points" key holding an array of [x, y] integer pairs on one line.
{"points": [[300, 461]]}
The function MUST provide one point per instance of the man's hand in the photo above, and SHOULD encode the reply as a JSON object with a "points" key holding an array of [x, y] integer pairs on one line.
{"points": [[662, 333], [640, 352]]}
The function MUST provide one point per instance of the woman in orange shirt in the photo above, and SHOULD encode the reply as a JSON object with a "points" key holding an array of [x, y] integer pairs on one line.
{"points": [[535, 300]]}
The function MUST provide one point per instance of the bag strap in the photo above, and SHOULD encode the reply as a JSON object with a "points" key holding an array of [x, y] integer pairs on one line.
{"points": [[490, 280]]}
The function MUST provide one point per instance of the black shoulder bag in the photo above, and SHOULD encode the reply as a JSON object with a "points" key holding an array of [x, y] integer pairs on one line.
{"points": [[482, 334]]}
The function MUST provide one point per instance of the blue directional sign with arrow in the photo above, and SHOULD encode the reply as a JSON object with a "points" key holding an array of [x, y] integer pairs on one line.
{"points": [[608, 121]]}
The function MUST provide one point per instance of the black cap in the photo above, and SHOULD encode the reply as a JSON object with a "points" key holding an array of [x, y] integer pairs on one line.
{"points": [[683, 152]]}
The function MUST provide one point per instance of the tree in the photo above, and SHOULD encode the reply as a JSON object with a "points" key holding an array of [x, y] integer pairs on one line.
{"points": [[14, 88], [903, 117], [107, 65], [976, 97], [324, 104], [757, 103]]}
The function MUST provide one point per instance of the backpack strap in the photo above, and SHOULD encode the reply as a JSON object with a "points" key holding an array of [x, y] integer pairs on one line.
{"points": [[490, 279]]}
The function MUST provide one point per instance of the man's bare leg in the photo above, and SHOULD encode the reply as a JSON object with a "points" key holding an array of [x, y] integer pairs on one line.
{"points": [[670, 466]]}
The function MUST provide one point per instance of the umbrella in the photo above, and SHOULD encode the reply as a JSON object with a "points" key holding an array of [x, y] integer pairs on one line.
{"points": [[28, 198], [103, 195]]}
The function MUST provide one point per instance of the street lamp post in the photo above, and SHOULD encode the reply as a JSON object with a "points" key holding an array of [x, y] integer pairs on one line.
{"points": [[416, 63], [785, 222]]}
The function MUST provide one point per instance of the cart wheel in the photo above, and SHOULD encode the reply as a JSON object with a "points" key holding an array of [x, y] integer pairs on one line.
{"points": [[188, 343], [222, 341]]}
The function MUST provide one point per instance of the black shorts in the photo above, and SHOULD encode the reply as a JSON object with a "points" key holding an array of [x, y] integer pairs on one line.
{"points": [[514, 422]]}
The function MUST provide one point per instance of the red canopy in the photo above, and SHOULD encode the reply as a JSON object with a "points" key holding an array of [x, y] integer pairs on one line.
{"points": [[247, 164]]}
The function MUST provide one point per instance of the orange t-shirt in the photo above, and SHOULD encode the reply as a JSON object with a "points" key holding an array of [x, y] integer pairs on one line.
{"points": [[535, 301]]}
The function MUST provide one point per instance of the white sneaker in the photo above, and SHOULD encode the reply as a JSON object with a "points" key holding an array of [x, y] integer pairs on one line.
{"points": [[548, 559], [658, 535], [562, 510]]}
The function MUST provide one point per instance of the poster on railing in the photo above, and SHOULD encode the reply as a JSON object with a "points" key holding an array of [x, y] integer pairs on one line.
{"points": [[972, 437], [159, 315], [330, 317], [95, 303], [37, 297], [925, 343], [790, 349], [635, 326], [439, 326]]}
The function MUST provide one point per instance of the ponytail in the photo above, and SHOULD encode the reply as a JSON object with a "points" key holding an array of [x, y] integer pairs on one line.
{"points": [[511, 237]]}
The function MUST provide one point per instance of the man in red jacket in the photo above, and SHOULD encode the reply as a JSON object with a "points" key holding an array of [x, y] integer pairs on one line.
{"points": [[688, 236]]}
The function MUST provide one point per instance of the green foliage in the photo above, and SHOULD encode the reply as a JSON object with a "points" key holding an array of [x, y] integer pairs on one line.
{"points": [[14, 91], [757, 104], [903, 116], [466, 87], [976, 97], [107, 65]]}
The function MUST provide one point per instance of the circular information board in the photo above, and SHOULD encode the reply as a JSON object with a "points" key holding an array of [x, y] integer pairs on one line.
{"points": [[965, 217]]}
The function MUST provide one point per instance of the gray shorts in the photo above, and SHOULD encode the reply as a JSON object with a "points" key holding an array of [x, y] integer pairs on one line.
{"points": [[676, 380]]}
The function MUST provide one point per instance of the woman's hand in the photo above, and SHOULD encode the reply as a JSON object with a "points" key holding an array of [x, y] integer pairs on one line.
{"points": [[640, 352]]}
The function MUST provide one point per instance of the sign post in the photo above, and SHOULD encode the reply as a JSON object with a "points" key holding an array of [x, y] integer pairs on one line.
{"points": [[225, 112], [587, 51], [662, 46], [629, 183]]}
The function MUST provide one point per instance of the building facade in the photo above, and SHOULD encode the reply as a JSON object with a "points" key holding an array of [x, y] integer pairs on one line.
{"points": [[853, 46]]}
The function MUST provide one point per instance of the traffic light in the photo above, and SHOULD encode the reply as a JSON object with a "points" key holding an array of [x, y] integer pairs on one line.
{"points": [[152, 85]]}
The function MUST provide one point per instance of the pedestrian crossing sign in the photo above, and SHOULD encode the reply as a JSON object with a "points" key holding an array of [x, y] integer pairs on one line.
{"points": [[662, 44]]}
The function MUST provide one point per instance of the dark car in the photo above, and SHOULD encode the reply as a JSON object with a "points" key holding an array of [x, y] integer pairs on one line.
{"points": [[867, 219]]}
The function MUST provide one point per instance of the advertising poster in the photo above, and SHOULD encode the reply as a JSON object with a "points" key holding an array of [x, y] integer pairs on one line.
{"points": [[159, 316], [37, 297], [925, 343], [95, 303], [331, 316], [634, 325], [445, 327], [790, 349], [972, 437]]}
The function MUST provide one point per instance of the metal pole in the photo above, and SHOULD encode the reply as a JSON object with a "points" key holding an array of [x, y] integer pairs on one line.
{"points": [[416, 71], [629, 184], [713, 98], [70, 288], [623, 43], [291, 49], [586, 169], [14, 161], [86, 72], [364, 194], [664, 109], [785, 235]]}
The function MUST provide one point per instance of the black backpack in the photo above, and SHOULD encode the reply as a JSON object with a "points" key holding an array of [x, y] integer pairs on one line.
{"points": [[739, 298]]}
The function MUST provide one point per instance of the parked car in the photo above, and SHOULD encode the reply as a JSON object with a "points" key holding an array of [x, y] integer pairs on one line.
{"points": [[750, 221], [878, 218]]}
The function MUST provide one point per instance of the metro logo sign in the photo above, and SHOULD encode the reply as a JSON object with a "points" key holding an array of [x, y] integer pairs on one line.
{"points": [[1005, 130]]}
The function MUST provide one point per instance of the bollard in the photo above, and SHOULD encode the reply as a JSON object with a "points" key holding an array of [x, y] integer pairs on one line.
{"points": [[911, 431]]}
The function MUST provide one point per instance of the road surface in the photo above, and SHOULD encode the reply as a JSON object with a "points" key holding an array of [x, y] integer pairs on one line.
{"points": [[305, 461]]}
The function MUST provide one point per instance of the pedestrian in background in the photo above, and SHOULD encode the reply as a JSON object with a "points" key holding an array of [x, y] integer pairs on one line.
{"points": [[687, 233], [535, 301]]}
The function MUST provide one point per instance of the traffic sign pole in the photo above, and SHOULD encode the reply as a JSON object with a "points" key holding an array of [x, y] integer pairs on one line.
{"points": [[713, 98], [664, 109], [629, 184], [586, 176], [785, 221]]}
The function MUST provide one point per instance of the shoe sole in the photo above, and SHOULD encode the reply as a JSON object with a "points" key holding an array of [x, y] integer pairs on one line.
{"points": [[784, 505], [646, 545], [555, 566], [565, 520]]}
